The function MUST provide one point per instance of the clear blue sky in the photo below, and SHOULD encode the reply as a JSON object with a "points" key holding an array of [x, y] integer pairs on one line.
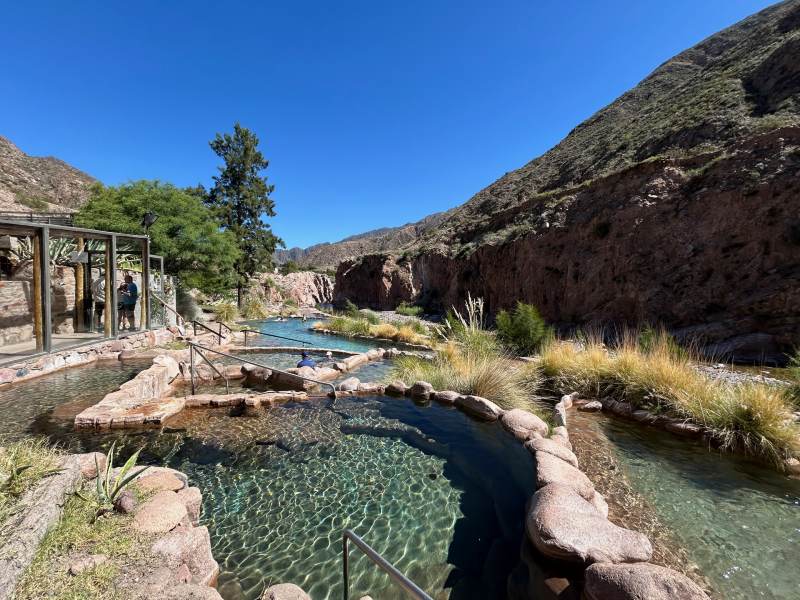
{"points": [[371, 113]]}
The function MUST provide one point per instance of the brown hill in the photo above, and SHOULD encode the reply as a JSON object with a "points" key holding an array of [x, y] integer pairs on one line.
{"points": [[39, 184], [679, 203]]}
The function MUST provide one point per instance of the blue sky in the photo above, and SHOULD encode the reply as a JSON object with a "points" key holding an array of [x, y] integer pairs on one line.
{"points": [[371, 113]]}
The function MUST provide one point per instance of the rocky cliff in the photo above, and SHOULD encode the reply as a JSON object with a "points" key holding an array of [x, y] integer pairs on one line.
{"points": [[677, 204], [305, 288], [40, 184]]}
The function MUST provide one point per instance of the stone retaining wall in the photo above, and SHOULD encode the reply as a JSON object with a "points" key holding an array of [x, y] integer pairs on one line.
{"points": [[31, 368]]}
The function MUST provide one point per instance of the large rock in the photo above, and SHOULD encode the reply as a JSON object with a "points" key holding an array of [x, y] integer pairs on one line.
{"points": [[396, 388], [551, 447], [192, 547], [641, 581], [550, 469], [284, 591], [192, 499], [159, 481], [89, 463], [162, 513], [480, 408], [349, 385], [421, 390], [448, 397], [564, 526], [521, 423]]}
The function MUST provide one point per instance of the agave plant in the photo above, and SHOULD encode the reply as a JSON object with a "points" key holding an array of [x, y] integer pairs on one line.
{"points": [[109, 488]]}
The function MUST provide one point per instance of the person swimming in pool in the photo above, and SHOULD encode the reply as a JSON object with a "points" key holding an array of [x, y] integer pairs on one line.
{"points": [[306, 361]]}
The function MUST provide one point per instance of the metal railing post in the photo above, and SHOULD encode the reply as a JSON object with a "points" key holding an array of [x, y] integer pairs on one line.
{"points": [[409, 587], [191, 366]]}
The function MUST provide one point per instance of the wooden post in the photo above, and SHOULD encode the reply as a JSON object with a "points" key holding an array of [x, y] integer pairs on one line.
{"points": [[79, 289], [38, 327], [108, 317], [144, 298]]}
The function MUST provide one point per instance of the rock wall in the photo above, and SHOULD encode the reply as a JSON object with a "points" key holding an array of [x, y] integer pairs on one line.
{"points": [[708, 247], [306, 288]]}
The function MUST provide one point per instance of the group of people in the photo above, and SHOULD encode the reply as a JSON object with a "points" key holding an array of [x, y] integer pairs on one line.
{"points": [[127, 296]]}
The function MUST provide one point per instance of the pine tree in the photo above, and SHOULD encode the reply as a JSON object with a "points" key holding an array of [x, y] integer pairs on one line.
{"points": [[241, 200]]}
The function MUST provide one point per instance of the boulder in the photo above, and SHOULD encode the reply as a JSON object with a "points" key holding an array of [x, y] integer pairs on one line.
{"points": [[84, 563], [521, 423], [352, 362], [160, 514], [396, 388], [567, 399], [349, 385], [550, 469], [564, 526], [560, 435], [169, 363], [284, 591], [191, 546], [684, 428], [159, 481], [446, 397], [125, 502], [600, 503], [593, 406], [193, 501], [480, 408], [550, 447], [89, 463], [420, 389], [642, 581]]}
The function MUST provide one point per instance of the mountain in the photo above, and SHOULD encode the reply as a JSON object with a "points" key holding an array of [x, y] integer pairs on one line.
{"points": [[385, 239], [678, 204], [40, 184]]}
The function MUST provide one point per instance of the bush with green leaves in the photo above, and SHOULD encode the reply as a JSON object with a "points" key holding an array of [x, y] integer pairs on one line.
{"points": [[522, 330], [408, 310]]}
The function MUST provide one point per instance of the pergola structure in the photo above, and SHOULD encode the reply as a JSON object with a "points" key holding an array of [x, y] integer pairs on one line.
{"points": [[104, 252]]}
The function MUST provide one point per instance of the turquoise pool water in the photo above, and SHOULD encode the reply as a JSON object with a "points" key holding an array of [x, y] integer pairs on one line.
{"points": [[739, 522], [440, 495], [300, 330], [53, 400]]}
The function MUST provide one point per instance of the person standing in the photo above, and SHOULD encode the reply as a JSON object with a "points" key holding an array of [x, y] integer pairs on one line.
{"points": [[129, 297], [99, 298]]}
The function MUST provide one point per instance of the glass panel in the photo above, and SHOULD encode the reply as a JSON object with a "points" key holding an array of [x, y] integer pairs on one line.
{"points": [[158, 313], [17, 297], [129, 285], [72, 304]]}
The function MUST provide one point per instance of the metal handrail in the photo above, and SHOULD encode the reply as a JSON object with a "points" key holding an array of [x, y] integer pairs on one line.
{"points": [[282, 337], [408, 586], [195, 323], [192, 351], [172, 310], [250, 362]]}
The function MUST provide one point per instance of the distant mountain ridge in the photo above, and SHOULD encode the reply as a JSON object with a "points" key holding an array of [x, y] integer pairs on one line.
{"points": [[39, 184], [328, 255]]}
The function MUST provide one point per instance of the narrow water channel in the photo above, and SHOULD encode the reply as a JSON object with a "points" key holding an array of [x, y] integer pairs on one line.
{"points": [[738, 521]]}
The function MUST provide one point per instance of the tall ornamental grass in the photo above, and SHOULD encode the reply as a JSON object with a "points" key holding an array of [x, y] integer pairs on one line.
{"points": [[754, 418]]}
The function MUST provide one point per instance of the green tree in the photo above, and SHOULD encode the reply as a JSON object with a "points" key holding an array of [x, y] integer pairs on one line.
{"points": [[185, 234], [241, 200]]}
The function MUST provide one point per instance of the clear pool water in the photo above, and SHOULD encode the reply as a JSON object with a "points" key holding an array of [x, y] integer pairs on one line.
{"points": [[53, 400], [739, 522], [440, 495], [301, 330]]}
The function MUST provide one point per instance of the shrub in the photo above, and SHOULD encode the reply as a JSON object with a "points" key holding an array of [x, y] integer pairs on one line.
{"points": [[370, 315], [408, 309], [226, 312], [254, 308], [793, 389], [350, 309], [468, 329], [522, 330]]}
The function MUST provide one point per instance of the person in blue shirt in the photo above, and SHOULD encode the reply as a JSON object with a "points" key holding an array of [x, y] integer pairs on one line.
{"points": [[306, 361], [128, 299]]}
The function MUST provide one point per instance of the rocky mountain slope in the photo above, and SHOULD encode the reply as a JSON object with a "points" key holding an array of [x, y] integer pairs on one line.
{"points": [[679, 204], [40, 184], [386, 239]]}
